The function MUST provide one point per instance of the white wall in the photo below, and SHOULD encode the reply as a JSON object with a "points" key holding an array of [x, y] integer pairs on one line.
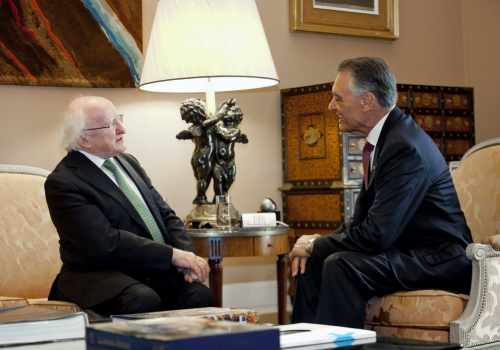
{"points": [[437, 45]]}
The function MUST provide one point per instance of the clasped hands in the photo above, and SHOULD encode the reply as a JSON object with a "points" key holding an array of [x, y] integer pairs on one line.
{"points": [[301, 252], [192, 266]]}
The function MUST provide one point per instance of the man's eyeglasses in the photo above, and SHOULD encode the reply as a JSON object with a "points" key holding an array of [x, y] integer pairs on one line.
{"points": [[113, 124]]}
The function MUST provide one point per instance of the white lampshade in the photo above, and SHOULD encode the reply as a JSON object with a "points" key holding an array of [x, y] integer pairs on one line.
{"points": [[198, 43]]}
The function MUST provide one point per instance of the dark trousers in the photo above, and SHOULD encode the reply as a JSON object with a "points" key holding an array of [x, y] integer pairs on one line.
{"points": [[339, 280], [168, 291]]}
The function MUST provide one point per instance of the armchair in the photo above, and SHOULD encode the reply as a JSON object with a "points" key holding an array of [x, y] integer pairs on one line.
{"points": [[443, 316], [29, 244]]}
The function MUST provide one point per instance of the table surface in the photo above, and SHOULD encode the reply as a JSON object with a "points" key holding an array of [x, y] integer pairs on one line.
{"points": [[389, 343], [238, 231], [382, 344]]}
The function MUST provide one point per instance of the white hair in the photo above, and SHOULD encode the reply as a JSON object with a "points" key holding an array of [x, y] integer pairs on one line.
{"points": [[74, 123], [76, 118]]}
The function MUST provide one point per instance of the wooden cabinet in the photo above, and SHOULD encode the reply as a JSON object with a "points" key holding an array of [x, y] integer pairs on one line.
{"points": [[446, 113], [322, 167]]}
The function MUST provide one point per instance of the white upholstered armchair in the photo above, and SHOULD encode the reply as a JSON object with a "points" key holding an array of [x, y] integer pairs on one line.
{"points": [[439, 315], [477, 180], [29, 244]]}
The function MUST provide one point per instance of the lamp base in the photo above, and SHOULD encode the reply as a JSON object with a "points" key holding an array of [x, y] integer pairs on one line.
{"points": [[205, 216]]}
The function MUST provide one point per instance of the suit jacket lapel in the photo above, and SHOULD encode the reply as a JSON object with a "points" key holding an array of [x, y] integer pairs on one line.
{"points": [[88, 172], [145, 191]]}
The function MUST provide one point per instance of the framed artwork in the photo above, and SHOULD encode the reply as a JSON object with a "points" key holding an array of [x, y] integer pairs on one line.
{"points": [[311, 136], [367, 18], [85, 43]]}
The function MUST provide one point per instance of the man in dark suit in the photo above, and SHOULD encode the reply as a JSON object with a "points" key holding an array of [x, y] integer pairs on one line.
{"points": [[123, 248], [408, 231]]}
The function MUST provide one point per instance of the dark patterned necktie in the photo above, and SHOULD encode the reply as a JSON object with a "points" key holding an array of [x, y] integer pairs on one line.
{"points": [[137, 202], [367, 150]]}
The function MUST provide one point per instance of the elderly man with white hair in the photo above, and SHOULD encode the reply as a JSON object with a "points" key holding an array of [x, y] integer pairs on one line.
{"points": [[123, 248]]}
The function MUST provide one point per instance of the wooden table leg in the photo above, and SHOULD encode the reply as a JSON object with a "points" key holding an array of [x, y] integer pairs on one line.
{"points": [[281, 267], [215, 280]]}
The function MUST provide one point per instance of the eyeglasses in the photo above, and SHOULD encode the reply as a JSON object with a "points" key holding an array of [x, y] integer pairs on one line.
{"points": [[113, 124]]}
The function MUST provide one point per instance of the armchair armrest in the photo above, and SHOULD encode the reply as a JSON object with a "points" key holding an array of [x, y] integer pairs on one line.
{"points": [[480, 321]]}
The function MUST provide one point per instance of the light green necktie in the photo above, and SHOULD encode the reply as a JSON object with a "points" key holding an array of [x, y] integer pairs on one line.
{"points": [[135, 200]]}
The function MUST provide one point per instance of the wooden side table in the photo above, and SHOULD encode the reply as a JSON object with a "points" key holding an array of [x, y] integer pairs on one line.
{"points": [[244, 242]]}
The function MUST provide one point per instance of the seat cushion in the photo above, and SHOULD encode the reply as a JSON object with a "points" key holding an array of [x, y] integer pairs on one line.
{"points": [[9, 302], [55, 305], [438, 335], [432, 309]]}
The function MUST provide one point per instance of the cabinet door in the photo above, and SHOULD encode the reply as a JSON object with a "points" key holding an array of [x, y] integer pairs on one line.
{"points": [[314, 209], [312, 155]]}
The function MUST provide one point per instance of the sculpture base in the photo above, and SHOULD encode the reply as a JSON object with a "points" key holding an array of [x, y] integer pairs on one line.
{"points": [[205, 216]]}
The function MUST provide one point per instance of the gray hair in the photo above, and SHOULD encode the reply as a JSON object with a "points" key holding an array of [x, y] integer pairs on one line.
{"points": [[371, 74]]}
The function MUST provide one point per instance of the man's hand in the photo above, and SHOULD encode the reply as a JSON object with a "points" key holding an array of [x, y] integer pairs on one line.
{"points": [[300, 252], [194, 267]]}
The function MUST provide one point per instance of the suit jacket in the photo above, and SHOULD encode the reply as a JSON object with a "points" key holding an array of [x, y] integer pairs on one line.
{"points": [[104, 244], [410, 203]]}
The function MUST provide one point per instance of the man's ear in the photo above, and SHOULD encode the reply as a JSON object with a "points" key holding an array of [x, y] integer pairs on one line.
{"points": [[83, 142], [368, 101]]}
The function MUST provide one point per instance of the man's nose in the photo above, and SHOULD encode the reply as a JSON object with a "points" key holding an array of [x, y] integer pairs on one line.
{"points": [[120, 128]]}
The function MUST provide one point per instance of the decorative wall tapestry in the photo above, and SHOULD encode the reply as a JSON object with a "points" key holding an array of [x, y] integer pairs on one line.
{"points": [[84, 43]]}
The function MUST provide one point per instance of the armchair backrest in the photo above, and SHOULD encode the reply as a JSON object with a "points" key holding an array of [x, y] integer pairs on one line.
{"points": [[29, 248], [477, 181]]}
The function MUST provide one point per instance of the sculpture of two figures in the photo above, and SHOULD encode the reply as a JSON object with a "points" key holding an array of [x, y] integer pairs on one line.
{"points": [[214, 138]]}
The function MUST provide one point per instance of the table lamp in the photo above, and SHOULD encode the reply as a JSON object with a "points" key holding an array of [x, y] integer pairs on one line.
{"points": [[207, 46]]}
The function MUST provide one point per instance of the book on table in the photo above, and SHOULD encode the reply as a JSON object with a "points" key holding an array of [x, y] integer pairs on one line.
{"points": [[7, 302], [175, 333], [214, 313], [35, 324], [319, 336]]}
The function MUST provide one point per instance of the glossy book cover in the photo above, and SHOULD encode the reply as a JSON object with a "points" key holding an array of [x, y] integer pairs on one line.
{"points": [[175, 333]]}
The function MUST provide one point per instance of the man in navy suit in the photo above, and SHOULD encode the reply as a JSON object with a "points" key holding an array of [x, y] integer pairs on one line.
{"points": [[123, 248], [408, 231]]}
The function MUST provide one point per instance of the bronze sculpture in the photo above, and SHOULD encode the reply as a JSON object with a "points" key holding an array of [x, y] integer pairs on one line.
{"points": [[227, 134], [214, 139], [193, 111]]}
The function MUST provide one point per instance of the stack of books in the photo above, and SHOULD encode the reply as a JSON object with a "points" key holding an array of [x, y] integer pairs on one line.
{"points": [[213, 313], [28, 324], [6, 302], [176, 333], [208, 328]]}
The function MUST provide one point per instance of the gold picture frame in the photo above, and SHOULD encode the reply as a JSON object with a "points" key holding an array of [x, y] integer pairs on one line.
{"points": [[306, 15]]}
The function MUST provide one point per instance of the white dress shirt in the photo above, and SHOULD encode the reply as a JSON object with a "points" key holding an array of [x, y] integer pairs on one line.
{"points": [[98, 161]]}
